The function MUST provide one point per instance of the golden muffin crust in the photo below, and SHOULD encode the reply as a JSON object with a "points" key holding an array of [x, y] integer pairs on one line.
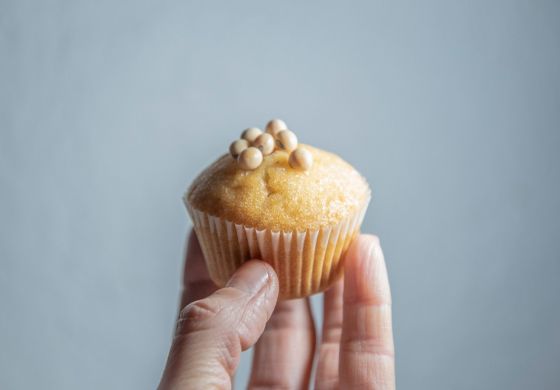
{"points": [[276, 196]]}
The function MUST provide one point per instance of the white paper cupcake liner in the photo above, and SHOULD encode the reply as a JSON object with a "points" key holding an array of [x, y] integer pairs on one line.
{"points": [[306, 262]]}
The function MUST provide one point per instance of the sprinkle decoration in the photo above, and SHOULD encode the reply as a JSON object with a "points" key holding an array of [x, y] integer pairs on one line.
{"points": [[254, 145]]}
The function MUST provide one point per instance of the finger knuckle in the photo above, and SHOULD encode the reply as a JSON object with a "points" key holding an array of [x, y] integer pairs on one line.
{"points": [[195, 315], [230, 351], [367, 346]]}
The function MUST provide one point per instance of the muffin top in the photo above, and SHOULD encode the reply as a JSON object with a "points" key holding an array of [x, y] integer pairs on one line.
{"points": [[277, 196]]}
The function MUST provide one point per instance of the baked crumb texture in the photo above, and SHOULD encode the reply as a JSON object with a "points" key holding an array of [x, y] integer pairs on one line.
{"points": [[277, 197]]}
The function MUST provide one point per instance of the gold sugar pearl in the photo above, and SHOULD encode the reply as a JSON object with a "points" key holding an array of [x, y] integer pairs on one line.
{"points": [[249, 159], [265, 143], [287, 140], [237, 147], [275, 126], [301, 158], [251, 134]]}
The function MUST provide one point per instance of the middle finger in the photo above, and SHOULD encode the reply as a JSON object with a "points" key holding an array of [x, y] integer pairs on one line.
{"points": [[283, 356]]}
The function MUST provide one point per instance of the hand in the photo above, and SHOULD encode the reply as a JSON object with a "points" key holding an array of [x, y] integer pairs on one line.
{"points": [[214, 326]]}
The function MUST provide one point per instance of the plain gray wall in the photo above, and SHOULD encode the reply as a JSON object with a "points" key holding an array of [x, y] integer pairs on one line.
{"points": [[109, 109]]}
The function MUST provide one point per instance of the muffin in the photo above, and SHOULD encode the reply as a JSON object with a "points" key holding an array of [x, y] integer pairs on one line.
{"points": [[292, 205]]}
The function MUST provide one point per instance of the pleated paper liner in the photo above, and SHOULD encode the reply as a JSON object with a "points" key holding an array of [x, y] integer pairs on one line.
{"points": [[306, 262]]}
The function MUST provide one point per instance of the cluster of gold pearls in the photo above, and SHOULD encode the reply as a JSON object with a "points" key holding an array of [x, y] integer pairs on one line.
{"points": [[254, 144]]}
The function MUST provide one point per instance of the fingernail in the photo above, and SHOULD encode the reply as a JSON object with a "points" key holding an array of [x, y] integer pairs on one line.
{"points": [[252, 277]]}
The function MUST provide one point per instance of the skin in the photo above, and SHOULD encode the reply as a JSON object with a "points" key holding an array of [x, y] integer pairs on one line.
{"points": [[214, 325]]}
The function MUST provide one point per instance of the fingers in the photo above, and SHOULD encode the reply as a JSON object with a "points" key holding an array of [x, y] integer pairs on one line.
{"points": [[283, 357], [366, 348], [196, 281], [212, 332], [327, 366]]}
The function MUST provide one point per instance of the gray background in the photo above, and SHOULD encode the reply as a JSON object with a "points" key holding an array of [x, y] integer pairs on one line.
{"points": [[109, 109]]}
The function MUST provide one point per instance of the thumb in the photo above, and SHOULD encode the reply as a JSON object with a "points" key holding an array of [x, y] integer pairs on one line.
{"points": [[212, 332]]}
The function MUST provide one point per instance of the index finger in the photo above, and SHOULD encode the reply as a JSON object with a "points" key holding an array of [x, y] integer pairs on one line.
{"points": [[366, 347], [196, 280]]}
